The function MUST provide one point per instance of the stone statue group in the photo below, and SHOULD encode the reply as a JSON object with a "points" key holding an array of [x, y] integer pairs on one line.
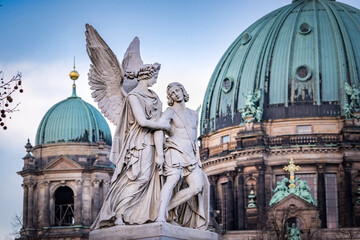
{"points": [[158, 174], [302, 190]]}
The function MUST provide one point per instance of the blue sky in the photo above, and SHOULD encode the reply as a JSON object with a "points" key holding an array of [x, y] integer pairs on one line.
{"points": [[40, 39]]}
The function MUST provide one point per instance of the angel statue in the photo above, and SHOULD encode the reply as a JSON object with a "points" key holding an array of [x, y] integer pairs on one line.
{"points": [[124, 97], [252, 109], [354, 95]]}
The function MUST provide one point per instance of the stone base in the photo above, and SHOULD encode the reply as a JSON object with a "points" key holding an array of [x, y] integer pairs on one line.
{"points": [[151, 231]]}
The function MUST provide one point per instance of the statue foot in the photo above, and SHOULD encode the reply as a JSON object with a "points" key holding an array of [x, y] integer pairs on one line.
{"points": [[160, 219], [119, 221]]}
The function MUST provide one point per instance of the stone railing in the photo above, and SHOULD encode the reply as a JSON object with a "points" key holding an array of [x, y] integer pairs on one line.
{"points": [[302, 139], [283, 140], [218, 149]]}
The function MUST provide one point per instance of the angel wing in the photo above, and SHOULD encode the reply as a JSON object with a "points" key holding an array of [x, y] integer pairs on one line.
{"points": [[105, 76]]}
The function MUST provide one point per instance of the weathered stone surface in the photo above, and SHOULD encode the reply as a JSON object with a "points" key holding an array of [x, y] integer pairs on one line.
{"points": [[151, 231]]}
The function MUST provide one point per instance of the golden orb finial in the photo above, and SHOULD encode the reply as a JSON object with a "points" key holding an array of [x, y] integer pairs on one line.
{"points": [[74, 75]]}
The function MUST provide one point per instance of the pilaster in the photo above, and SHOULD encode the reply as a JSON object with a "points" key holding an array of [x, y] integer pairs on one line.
{"points": [[349, 206], [95, 199], [25, 204], [230, 216], [321, 195], [44, 207], [261, 198], [30, 212], [78, 203], [241, 199]]}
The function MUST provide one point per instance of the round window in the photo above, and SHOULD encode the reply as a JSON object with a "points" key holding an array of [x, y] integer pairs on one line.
{"points": [[226, 85], [303, 73], [245, 38], [304, 28]]}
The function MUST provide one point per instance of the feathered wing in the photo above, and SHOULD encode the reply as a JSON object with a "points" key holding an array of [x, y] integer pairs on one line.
{"points": [[105, 76]]}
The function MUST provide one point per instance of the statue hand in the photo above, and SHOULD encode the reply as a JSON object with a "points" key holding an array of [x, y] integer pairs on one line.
{"points": [[159, 160], [167, 126]]}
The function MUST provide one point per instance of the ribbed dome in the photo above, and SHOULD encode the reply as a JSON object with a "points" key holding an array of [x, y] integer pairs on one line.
{"points": [[72, 120], [300, 56]]}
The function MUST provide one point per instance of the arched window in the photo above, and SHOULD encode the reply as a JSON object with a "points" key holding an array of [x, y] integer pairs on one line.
{"points": [[64, 207]]}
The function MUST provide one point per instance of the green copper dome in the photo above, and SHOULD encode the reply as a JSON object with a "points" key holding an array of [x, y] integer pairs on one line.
{"points": [[299, 57], [72, 120]]}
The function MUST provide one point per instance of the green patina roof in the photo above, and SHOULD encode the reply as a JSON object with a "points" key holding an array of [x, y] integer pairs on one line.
{"points": [[72, 120], [322, 35]]}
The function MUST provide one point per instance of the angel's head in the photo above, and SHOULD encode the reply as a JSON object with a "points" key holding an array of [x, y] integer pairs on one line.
{"points": [[176, 92], [146, 72]]}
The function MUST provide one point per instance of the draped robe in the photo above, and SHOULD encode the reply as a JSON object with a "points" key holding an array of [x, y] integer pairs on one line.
{"points": [[134, 193]]}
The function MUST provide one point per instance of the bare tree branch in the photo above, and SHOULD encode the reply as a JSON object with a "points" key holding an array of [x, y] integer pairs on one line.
{"points": [[7, 90]]}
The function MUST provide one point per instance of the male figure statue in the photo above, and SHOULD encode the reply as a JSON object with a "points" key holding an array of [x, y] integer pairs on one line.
{"points": [[182, 162]]}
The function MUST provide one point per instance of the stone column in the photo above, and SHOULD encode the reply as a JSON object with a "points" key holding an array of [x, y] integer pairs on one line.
{"points": [[260, 194], [349, 209], [213, 192], [25, 204], [241, 199], [214, 216], [78, 203], [230, 216], [51, 207], [44, 207], [95, 199], [30, 204], [47, 209], [86, 202], [321, 195]]}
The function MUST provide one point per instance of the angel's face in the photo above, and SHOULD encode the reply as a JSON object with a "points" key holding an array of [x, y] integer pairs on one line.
{"points": [[153, 79]]}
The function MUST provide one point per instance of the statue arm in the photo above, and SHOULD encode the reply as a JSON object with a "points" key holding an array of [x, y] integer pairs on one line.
{"points": [[159, 141], [139, 115], [196, 116], [159, 149]]}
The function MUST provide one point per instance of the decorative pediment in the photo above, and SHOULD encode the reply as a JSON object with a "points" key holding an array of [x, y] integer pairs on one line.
{"points": [[62, 163], [293, 200]]}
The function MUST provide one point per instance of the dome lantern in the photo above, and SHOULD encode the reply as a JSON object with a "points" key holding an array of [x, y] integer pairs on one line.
{"points": [[74, 75]]}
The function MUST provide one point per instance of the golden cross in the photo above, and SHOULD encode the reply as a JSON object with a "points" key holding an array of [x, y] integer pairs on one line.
{"points": [[292, 168]]}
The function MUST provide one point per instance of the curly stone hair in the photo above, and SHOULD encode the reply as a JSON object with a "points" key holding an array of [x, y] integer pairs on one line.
{"points": [[144, 73], [173, 84]]}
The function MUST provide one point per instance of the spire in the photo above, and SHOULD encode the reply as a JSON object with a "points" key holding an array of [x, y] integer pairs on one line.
{"points": [[74, 75]]}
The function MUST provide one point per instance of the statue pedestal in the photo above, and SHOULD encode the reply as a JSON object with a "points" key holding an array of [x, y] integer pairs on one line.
{"points": [[151, 231]]}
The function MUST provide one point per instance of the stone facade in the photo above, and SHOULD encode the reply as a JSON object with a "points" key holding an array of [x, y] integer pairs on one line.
{"points": [[326, 148], [64, 187]]}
